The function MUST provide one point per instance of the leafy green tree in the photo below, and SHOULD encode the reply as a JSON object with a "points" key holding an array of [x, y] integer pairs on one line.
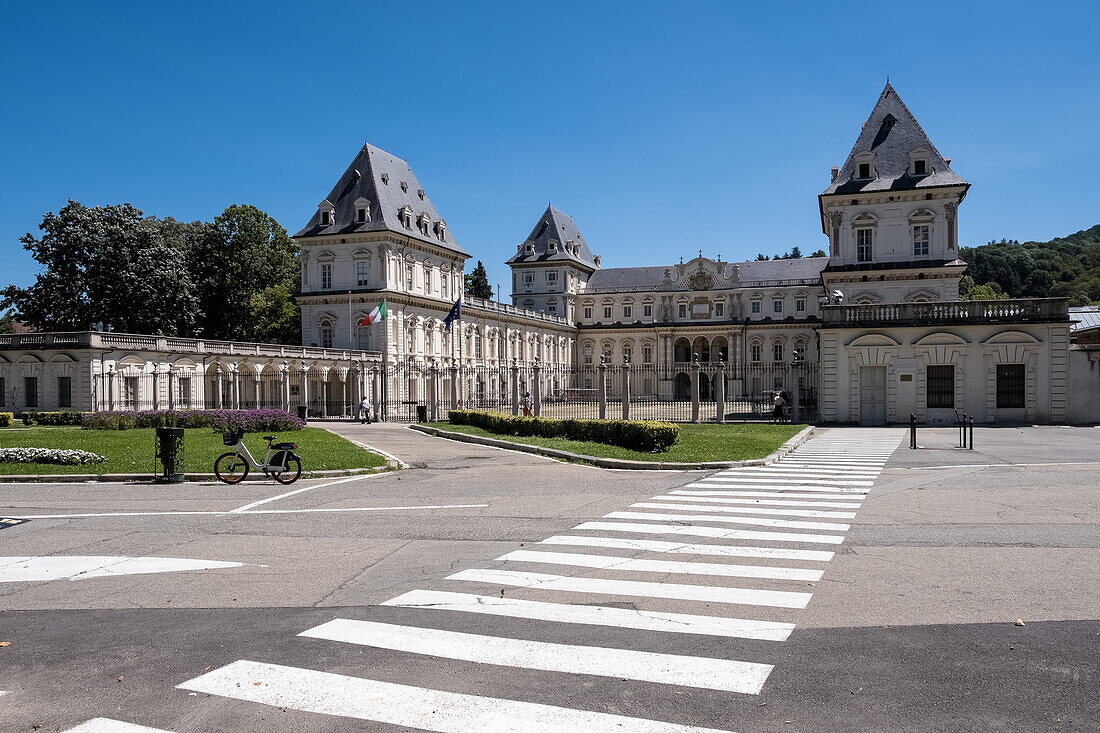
{"points": [[477, 283], [796, 254], [106, 264], [242, 260], [762, 257], [7, 323], [819, 253]]}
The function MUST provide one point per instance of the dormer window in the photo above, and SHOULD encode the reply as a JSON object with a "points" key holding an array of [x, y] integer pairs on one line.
{"points": [[864, 165], [920, 167], [362, 210], [405, 214], [420, 193], [864, 170], [424, 224], [441, 230], [326, 218], [918, 162], [529, 248], [404, 186], [385, 179], [327, 213]]}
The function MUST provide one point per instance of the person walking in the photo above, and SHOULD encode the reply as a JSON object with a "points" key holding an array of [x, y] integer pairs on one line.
{"points": [[364, 411], [777, 413], [527, 404]]}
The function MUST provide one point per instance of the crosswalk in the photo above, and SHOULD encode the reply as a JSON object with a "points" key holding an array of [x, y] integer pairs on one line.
{"points": [[730, 557]]}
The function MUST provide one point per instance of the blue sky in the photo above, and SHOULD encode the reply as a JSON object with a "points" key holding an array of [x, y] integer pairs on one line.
{"points": [[662, 128]]}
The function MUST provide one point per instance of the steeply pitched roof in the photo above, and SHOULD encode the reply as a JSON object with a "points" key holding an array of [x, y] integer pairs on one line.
{"points": [[747, 274], [891, 133], [388, 184], [556, 225], [765, 271]]}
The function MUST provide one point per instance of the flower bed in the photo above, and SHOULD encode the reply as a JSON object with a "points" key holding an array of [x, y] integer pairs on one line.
{"points": [[56, 456], [639, 435], [251, 421]]}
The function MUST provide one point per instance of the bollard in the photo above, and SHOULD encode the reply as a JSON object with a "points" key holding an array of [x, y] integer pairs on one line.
{"points": [[912, 430], [971, 432]]}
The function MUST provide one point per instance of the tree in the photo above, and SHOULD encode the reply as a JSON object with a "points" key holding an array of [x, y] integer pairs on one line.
{"points": [[7, 323], [477, 283], [247, 267], [969, 291], [796, 253], [106, 264], [819, 253], [762, 257]]}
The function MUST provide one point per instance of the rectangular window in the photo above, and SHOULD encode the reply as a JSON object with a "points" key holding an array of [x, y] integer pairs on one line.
{"points": [[1010, 385], [627, 311], [777, 352], [588, 356], [326, 277], [863, 245], [607, 312], [683, 310], [444, 278], [800, 305], [64, 392], [30, 391], [551, 277], [627, 354], [408, 277], [755, 352], [647, 311], [184, 387], [362, 338], [361, 215], [427, 279], [864, 170], [777, 306], [3, 397], [941, 385], [920, 240], [719, 309], [477, 346], [326, 337], [587, 312], [756, 306], [362, 273], [130, 391], [920, 167], [528, 278], [326, 218], [647, 354], [552, 307]]}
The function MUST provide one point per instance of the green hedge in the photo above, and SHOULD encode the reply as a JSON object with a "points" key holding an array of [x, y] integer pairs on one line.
{"points": [[639, 435], [65, 417], [6, 419]]}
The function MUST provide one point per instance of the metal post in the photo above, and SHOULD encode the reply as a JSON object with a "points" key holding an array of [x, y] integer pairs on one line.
{"points": [[971, 432], [720, 393], [912, 430], [433, 400], [626, 390], [454, 387], [171, 390], [601, 388], [695, 390], [156, 388], [537, 387], [515, 385]]}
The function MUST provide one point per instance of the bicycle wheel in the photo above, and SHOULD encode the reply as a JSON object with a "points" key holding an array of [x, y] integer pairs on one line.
{"points": [[291, 473], [230, 468]]}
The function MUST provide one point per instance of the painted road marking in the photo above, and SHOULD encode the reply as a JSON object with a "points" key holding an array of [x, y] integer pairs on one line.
{"points": [[80, 567], [413, 707], [645, 589], [259, 511], [799, 488], [107, 725], [669, 669], [675, 623], [629, 564], [814, 481], [722, 532], [777, 553], [712, 491], [719, 499], [811, 513], [790, 523], [302, 490]]}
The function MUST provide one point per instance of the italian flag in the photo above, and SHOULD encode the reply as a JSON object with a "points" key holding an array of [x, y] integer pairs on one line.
{"points": [[376, 315]]}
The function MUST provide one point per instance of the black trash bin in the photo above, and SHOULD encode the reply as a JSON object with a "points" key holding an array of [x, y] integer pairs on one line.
{"points": [[168, 448], [422, 413], [302, 409]]}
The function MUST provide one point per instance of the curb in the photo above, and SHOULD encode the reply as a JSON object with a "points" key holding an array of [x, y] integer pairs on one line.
{"points": [[784, 449], [61, 478]]}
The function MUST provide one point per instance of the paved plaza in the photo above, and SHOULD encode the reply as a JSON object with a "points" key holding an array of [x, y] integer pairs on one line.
{"points": [[854, 585]]}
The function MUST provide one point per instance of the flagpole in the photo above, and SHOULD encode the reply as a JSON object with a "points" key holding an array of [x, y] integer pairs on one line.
{"points": [[351, 325], [385, 360], [461, 360]]}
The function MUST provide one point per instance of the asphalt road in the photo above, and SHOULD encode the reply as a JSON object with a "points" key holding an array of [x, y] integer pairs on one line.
{"points": [[911, 627]]}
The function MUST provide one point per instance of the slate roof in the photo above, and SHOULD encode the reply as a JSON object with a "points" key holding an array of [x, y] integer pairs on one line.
{"points": [[554, 224], [749, 274], [891, 133], [1088, 317], [388, 184]]}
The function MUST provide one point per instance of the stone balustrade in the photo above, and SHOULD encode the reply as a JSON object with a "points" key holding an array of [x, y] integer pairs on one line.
{"points": [[1023, 310]]}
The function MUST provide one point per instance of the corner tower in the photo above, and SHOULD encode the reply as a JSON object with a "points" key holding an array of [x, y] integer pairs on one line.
{"points": [[890, 213], [551, 266]]}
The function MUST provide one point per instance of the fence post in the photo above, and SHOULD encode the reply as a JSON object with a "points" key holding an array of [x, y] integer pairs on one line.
{"points": [[433, 393], [971, 432], [912, 430], [536, 388], [217, 386], [515, 385], [454, 387], [601, 388], [377, 398], [626, 390], [720, 393], [695, 389]]}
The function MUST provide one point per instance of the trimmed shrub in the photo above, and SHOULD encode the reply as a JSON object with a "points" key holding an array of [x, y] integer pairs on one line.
{"points": [[6, 419], [251, 421], [64, 417], [640, 435]]}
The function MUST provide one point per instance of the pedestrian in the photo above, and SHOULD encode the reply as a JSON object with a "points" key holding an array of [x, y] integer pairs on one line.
{"points": [[364, 411], [777, 413], [527, 404]]}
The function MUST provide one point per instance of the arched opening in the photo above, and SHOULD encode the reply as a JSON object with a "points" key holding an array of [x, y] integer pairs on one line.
{"points": [[682, 350], [705, 388], [682, 386], [701, 347], [720, 348]]}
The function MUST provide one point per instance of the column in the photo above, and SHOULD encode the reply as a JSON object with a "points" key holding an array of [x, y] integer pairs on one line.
{"points": [[695, 391], [454, 387], [111, 389], [156, 388], [376, 389], [303, 386], [284, 392], [537, 388], [515, 386], [720, 392], [218, 401], [433, 393], [324, 393], [601, 388], [171, 388], [257, 386], [626, 391]]}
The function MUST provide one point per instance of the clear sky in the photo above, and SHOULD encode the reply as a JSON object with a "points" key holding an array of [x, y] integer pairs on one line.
{"points": [[661, 128]]}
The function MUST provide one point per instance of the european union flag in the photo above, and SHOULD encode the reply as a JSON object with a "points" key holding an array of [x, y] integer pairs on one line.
{"points": [[456, 312]]}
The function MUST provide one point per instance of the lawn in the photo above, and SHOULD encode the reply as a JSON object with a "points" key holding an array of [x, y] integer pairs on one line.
{"points": [[697, 443], [131, 451]]}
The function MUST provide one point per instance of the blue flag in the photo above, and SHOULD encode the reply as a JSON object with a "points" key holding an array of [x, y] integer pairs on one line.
{"points": [[456, 312]]}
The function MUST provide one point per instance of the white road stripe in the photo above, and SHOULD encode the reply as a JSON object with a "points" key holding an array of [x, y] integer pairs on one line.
{"points": [[746, 510], [726, 484], [669, 669], [81, 567], [678, 495], [645, 589], [106, 725], [785, 481], [808, 473], [679, 548], [403, 705], [722, 532], [760, 521], [252, 513], [674, 623], [773, 494], [254, 504], [629, 564]]}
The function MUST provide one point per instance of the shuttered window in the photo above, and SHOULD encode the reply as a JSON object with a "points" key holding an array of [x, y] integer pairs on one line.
{"points": [[941, 385], [1010, 385]]}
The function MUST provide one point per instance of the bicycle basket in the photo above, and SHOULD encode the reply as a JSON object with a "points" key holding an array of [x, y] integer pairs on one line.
{"points": [[232, 437]]}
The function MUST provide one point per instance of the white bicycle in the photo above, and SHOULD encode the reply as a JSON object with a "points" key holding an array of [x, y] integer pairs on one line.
{"points": [[280, 463]]}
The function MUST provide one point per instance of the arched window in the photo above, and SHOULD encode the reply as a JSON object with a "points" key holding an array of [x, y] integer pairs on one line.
{"points": [[326, 334]]}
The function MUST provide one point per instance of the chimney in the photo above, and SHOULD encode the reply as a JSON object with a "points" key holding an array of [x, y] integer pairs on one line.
{"points": [[947, 160], [833, 174]]}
